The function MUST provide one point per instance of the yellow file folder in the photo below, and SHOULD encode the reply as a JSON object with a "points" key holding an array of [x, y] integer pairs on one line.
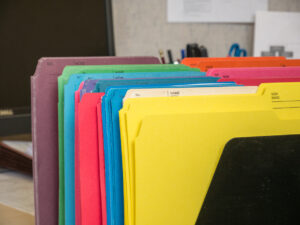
{"points": [[171, 146], [166, 92], [175, 92]]}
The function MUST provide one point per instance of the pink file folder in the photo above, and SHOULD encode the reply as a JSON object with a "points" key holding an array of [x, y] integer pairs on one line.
{"points": [[254, 71], [93, 211], [101, 160], [258, 81], [77, 166], [255, 76]]}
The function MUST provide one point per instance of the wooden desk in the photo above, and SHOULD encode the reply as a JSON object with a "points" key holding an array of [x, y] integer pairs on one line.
{"points": [[16, 198], [11, 216]]}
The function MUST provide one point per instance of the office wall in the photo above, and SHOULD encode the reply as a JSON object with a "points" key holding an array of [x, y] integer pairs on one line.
{"points": [[141, 28]]}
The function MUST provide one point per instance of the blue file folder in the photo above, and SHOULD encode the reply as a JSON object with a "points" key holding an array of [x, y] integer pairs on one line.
{"points": [[69, 107]]}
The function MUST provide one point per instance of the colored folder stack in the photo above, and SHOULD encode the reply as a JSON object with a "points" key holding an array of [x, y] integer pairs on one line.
{"points": [[210, 142]]}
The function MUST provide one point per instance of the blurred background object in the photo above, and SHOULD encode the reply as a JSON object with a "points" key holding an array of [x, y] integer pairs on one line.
{"points": [[32, 29], [277, 34]]}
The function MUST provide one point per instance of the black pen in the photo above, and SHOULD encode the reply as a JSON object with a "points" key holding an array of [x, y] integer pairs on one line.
{"points": [[170, 56]]}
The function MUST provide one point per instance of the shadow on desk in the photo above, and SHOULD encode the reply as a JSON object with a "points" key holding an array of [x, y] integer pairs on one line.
{"points": [[11, 216]]}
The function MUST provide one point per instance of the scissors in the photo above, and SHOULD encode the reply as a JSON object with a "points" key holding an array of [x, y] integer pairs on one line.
{"points": [[236, 51]]}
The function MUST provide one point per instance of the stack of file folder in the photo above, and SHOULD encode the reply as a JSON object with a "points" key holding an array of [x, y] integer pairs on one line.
{"points": [[126, 140]]}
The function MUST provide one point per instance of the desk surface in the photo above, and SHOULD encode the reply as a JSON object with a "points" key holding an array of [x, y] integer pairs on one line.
{"points": [[16, 194], [16, 191], [11, 216]]}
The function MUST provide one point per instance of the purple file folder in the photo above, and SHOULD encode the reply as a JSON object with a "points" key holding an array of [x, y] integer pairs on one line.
{"points": [[44, 118]]}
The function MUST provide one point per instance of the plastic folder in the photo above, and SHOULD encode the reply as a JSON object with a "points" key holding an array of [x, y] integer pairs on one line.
{"points": [[44, 130], [66, 110], [88, 87], [194, 61], [112, 148], [184, 138], [88, 171], [263, 62]]}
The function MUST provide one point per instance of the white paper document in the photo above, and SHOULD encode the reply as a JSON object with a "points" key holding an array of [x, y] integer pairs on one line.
{"points": [[277, 34], [214, 11]]}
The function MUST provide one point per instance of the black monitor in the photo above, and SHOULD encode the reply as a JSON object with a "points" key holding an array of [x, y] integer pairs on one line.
{"points": [[33, 29]]}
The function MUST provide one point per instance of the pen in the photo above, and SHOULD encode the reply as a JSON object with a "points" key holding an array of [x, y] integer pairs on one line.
{"points": [[182, 54], [162, 58], [170, 56]]}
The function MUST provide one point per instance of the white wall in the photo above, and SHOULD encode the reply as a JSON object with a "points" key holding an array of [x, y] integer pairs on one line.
{"points": [[141, 28]]}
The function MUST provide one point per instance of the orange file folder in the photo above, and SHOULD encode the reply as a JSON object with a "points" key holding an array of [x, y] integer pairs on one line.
{"points": [[207, 63], [194, 61]]}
